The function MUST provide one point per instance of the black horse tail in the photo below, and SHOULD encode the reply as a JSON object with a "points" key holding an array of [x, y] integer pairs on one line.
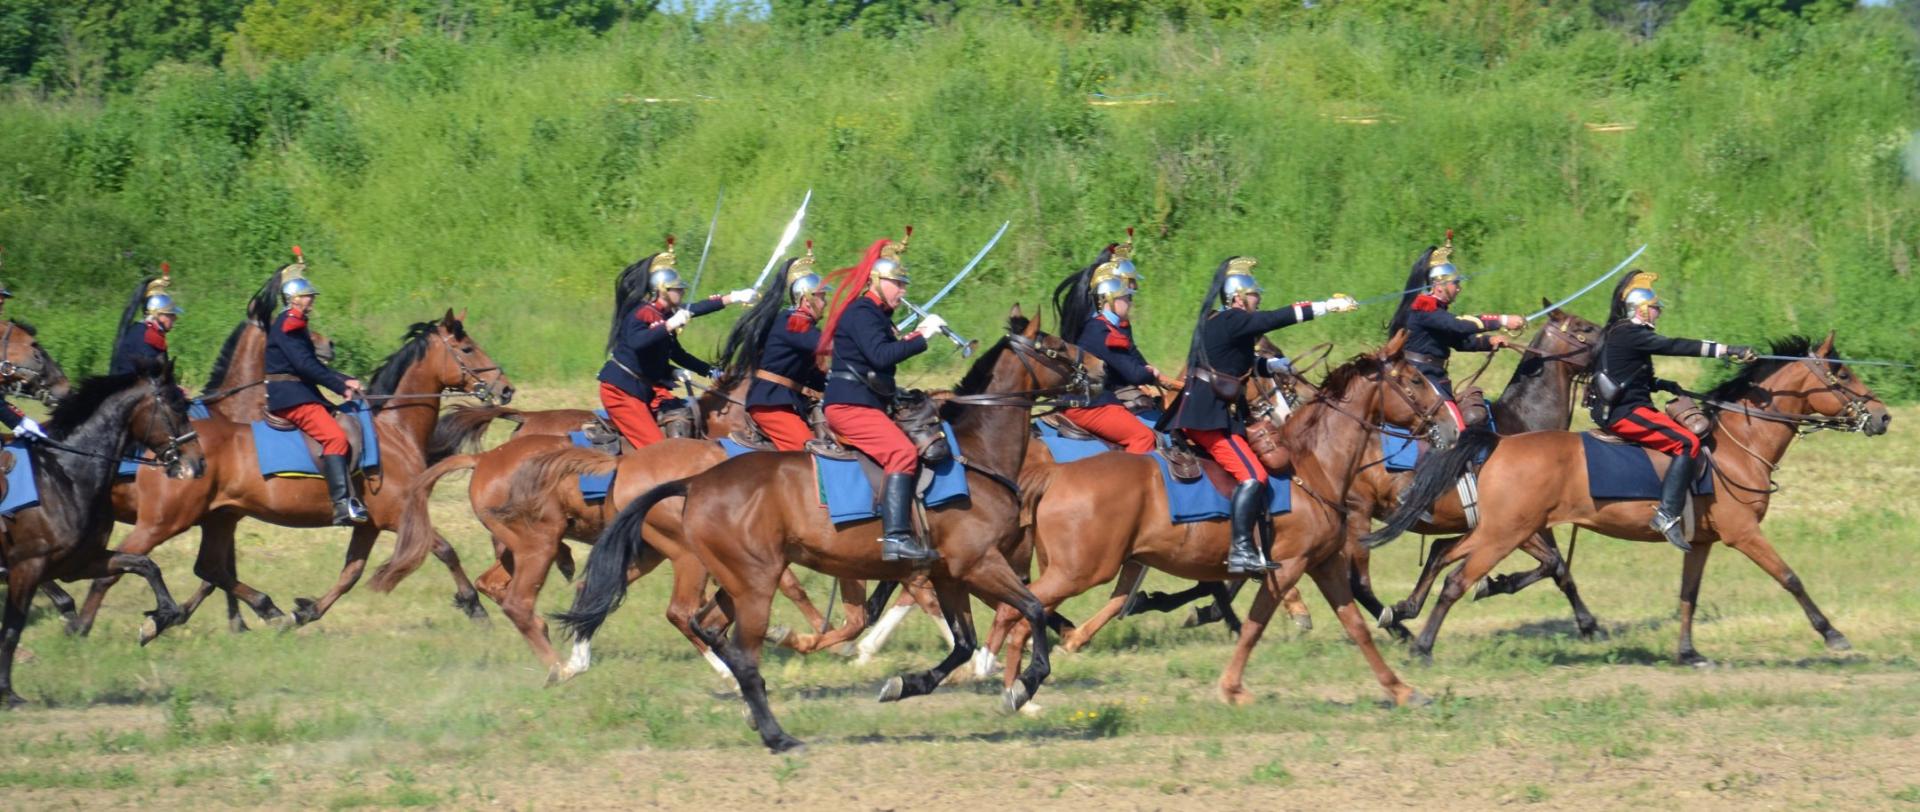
{"points": [[1431, 480], [619, 545]]}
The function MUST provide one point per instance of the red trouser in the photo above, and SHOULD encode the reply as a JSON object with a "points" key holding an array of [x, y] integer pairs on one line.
{"points": [[315, 421], [1231, 451], [870, 430], [1113, 423], [632, 416], [1654, 429], [785, 427]]}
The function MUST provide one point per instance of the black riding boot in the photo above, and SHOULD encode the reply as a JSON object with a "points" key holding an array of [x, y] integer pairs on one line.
{"points": [[1249, 503], [897, 542], [1673, 500], [347, 509]]}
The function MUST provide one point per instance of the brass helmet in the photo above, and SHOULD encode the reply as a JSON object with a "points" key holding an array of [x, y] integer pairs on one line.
{"points": [[158, 302], [1440, 269], [889, 266], [801, 279], [661, 276], [1119, 265], [294, 282], [1240, 278], [1638, 294], [1111, 288]]}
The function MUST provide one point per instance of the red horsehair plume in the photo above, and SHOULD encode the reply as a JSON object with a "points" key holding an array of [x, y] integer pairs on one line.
{"points": [[165, 270], [297, 255]]}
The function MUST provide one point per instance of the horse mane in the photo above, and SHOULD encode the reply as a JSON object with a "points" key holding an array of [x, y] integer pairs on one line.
{"points": [[25, 328], [974, 382], [87, 399], [1335, 388], [386, 377], [1752, 374], [225, 360]]}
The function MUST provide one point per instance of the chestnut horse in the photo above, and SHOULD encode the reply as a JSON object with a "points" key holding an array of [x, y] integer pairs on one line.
{"points": [[1539, 397], [405, 392], [1094, 515], [65, 535], [749, 517], [1539, 480]]}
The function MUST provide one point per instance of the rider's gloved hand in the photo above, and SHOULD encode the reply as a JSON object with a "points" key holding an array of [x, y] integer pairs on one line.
{"points": [[930, 326], [679, 319], [28, 428], [1740, 353], [741, 296]]}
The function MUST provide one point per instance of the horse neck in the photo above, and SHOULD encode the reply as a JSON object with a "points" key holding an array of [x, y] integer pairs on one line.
{"points": [[247, 366], [105, 436], [414, 415], [722, 407], [996, 436], [1541, 400], [1766, 439], [1335, 443]]}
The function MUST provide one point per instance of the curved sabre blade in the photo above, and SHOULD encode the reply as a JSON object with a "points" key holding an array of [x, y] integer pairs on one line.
{"points": [[980, 255], [1590, 285], [786, 239]]}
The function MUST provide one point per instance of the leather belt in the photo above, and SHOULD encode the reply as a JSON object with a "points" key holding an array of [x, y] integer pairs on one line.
{"points": [[1423, 358], [282, 377], [782, 380], [846, 375]]}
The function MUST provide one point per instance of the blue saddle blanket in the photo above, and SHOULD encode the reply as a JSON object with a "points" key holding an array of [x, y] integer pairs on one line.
{"points": [[21, 492], [1617, 471], [1065, 450], [1199, 501], [196, 410], [284, 453], [593, 487], [1404, 453], [849, 497]]}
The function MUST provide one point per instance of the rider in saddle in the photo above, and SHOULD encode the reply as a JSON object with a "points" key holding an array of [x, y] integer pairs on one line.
{"points": [[145, 341], [1623, 385], [1433, 333], [1212, 408], [786, 377], [1093, 307], [635, 382], [16, 422], [295, 374], [865, 349]]}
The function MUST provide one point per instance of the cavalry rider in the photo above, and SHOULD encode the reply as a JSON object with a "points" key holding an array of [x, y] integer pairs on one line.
{"points": [[295, 374], [16, 422], [1212, 405], [865, 348], [635, 382], [145, 341], [1623, 385], [787, 379], [1093, 307], [1433, 333]]}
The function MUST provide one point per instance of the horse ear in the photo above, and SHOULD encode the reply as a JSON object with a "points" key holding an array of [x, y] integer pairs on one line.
{"points": [[1826, 347], [447, 320], [1394, 344], [1545, 302], [463, 315], [1014, 312], [1033, 327]]}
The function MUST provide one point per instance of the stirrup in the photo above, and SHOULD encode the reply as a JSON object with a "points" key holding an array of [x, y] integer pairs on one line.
{"points": [[349, 512], [1669, 526], [895, 548]]}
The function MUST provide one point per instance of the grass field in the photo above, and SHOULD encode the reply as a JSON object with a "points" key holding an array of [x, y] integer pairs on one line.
{"points": [[395, 700]]}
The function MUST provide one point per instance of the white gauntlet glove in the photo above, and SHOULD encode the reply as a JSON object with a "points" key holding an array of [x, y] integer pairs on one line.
{"points": [[1337, 304], [29, 428], [1278, 365], [741, 296], [679, 319], [930, 326]]}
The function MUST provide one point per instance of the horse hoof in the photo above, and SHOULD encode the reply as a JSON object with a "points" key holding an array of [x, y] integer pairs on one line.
{"points": [[780, 636], [1838, 642], [891, 690], [847, 649], [1482, 588], [1424, 659], [238, 626], [1237, 696], [1386, 617], [149, 630], [1032, 710], [11, 700], [304, 612], [1304, 621], [1694, 659], [1014, 698], [787, 744], [558, 674], [1415, 699]]}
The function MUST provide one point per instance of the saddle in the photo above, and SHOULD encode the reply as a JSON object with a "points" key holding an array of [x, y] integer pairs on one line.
{"points": [[603, 437], [349, 424], [914, 412]]}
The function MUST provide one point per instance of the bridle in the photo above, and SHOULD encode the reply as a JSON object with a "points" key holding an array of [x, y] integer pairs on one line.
{"points": [[20, 378], [167, 456], [1853, 417], [1069, 364], [482, 388]]}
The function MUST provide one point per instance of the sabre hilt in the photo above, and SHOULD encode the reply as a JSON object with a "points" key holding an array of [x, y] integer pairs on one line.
{"points": [[966, 347]]}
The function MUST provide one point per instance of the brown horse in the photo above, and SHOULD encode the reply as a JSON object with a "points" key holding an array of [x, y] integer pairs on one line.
{"points": [[26, 370], [463, 428], [405, 390], [1095, 514], [1539, 480], [749, 517], [1539, 397], [235, 390], [65, 535], [526, 494]]}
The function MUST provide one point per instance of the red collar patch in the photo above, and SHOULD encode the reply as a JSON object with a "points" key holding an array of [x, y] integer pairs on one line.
{"points": [[1425, 303]]}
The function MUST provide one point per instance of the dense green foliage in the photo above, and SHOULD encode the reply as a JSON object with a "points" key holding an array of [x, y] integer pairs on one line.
{"points": [[515, 164]]}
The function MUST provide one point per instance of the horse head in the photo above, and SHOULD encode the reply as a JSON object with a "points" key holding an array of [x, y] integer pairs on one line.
{"points": [[1568, 339], [159, 421], [464, 366], [1819, 387], [27, 369]]}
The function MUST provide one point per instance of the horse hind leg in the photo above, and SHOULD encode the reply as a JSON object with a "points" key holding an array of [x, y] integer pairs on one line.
{"points": [[62, 602], [1394, 620], [1125, 600], [21, 579], [216, 565], [750, 614], [308, 610], [1483, 550], [465, 597], [1552, 565]]}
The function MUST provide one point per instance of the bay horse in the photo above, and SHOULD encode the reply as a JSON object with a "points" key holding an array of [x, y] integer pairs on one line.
{"points": [[1539, 480], [65, 535], [26, 370], [1539, 397], [1094, 515], [526, 494], [404, 392], [749, 517]]}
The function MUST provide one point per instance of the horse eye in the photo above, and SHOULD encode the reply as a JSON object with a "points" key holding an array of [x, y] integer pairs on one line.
{"points": [[466, 349]]}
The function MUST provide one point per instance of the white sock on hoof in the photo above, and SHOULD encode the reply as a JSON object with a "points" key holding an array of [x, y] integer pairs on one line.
{"points": [[983, 663], [718, 666], [876, 637]]}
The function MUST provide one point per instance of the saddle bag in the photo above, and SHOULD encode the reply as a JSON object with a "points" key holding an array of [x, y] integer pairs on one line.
{"points": [[1228, 388], [677, 422], [916, 415], [749, 435], [1182, 461], [1687, 412], [1136, 399], [1264, 438]]}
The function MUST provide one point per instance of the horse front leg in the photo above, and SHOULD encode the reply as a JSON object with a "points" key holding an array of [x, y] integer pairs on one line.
{"points": [[308, 610]]}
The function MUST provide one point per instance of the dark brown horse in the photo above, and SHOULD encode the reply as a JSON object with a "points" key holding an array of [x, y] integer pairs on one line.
{"points": [[1539, 397], [1094, 515], [405, 390], [26, 370], [749, 517], [65, 536], [1539, 480]]}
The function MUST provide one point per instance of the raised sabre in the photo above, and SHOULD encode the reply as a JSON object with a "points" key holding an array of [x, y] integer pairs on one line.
{"points": [[1851, 361], [786, 239], [911, 318], [1387, 296], [1590, 285], [966, 347], [711, 224]]}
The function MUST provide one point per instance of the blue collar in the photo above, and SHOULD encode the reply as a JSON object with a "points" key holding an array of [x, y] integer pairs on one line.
{"points": [[1109, 317]]}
